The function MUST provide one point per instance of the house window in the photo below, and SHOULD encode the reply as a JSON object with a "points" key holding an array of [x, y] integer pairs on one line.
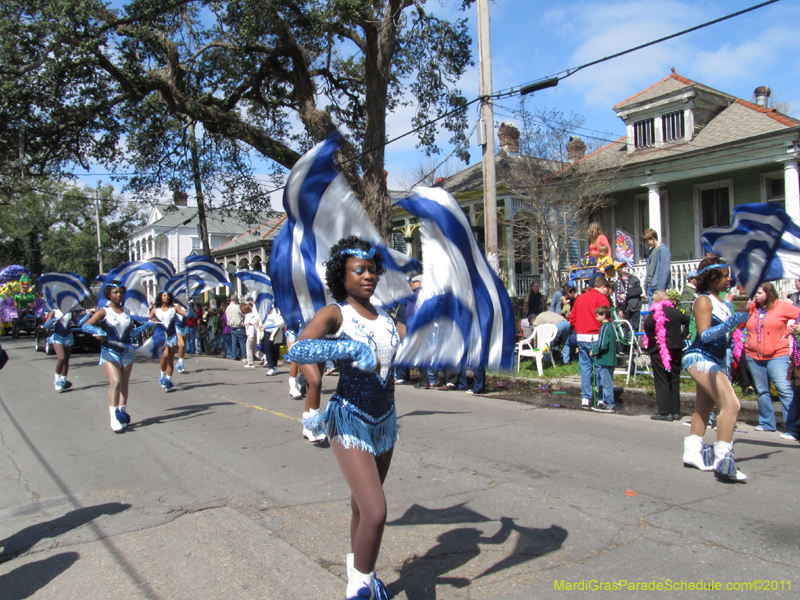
{"points": [[672, 126], [775, 191], [197, 244], [644, 133], [715, 208]]}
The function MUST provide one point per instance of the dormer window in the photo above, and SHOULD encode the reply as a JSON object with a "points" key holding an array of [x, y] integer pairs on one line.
{"points": [[644, 133], [672, 126]]}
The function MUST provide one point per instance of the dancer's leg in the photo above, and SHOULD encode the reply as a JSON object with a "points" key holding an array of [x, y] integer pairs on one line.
{"points": [[711, 386], [365, 475]]}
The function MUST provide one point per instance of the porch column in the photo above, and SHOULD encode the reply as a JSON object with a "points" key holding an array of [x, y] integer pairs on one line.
{"points": [[654, 208], [512, 267], [791, 189]]}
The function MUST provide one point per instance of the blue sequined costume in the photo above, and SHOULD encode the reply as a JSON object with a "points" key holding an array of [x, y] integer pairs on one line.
{"points": [[62, 332], [167, 320], [710, 356], [361, 413], [117, 347]]}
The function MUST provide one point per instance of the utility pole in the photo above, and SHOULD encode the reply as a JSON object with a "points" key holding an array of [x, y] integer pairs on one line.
{"points": [[97, 224], [202, 227], [487, 121]]}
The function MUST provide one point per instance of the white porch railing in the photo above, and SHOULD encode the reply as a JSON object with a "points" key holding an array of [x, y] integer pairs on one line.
{"points": [[678, 271]]}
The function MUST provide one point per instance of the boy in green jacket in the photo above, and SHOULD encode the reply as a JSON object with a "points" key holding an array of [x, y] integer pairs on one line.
{"points": [[604, 352]]}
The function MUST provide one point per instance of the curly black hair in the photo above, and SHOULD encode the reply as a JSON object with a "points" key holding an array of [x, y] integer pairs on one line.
{"points": [[111, 285], [334, 268], [170, 301], [704, 280]]}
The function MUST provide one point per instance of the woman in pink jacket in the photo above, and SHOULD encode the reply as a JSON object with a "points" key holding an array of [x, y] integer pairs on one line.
{"points": [[767, 352]]}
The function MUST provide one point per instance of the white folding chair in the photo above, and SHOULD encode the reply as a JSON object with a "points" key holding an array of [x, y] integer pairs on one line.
{"points": [[625, 337], [535, 345], [641, 359]]}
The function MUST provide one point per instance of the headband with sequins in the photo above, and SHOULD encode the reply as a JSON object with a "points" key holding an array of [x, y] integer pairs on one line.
{"points": [[362, 254], [114, 283], [717, 266]]}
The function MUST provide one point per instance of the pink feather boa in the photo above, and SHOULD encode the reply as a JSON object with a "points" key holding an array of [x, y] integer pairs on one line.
{"points": [[661, 331], [738, 343]]}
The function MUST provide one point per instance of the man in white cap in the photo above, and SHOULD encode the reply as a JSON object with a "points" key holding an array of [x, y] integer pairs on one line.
{"points": [[689, 292]]}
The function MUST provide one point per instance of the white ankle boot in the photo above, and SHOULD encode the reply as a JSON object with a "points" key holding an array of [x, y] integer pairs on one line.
{"points": [[724, 463], [294, 391], [116, 426], [697, 454], [360, 585]]}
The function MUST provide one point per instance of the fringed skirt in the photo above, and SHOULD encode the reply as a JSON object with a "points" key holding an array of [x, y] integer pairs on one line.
{"points": [[354, 428], [701, 362], [172, 340], [63, 340], [120, 359]]}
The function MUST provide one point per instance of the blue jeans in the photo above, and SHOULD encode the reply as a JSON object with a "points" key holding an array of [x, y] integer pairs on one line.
{"points": [[586, 364], [212, 341], [562, 339], [238, 343], [773, 370], [224, 342], [190, 341], [480, 380], [605, 384]]}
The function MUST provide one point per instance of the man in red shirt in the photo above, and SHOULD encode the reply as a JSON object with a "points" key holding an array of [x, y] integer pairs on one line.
{"points": [[584, 322]]}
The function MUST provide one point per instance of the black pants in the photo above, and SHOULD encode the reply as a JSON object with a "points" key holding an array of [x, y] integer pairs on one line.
{"points": [[668, 383]]}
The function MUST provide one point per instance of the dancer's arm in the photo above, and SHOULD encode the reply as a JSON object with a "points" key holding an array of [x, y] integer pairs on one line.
{"points": [[50, 320], [327, 320], [91, 325], [702, 315]]}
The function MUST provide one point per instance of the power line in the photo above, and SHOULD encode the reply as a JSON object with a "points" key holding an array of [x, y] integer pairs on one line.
{"points": [[552, 80]]}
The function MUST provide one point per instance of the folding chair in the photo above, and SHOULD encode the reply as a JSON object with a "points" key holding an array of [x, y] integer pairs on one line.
{"points": [[641, 360], [534, 346], [625, 337]]}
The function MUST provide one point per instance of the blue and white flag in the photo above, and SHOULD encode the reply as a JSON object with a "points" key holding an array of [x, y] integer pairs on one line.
{"points": [[321, 209], [463, 315], [131, 275], [761, 244], [259, 285], [203, 274], [63, 290]]}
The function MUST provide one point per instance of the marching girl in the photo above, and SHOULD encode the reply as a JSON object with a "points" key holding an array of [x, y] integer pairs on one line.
{"points": [[360, 418], [704, 360], [182, 330], [166, 314], [113, 325], [62, 341]]}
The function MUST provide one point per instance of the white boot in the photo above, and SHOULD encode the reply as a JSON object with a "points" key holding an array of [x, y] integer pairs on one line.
{"points": [[697, 454], [360, 585], [116, 426], [724, 463], [294, 391]]}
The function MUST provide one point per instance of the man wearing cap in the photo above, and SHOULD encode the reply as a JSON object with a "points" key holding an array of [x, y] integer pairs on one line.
{"points": [[689, 292], [628, 296]]}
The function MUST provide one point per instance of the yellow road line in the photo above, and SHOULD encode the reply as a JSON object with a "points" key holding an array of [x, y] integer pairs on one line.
{"points": [[257, 407]]}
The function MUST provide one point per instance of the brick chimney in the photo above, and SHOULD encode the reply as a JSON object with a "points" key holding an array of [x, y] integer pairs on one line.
{"points": [[509, 138], [576, 148], [438, 181], [180, 198]]}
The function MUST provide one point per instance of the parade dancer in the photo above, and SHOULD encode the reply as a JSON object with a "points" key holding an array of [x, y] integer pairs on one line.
{"points": [[62, 341], [360, 417], [704, 360], [115, 328], [182, 330], [166, 314]]}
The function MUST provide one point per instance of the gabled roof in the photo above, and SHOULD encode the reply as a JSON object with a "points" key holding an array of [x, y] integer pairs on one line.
{"points": [[471, 178], [256, 236], [219, 222], [670, 84], [740, 121]]}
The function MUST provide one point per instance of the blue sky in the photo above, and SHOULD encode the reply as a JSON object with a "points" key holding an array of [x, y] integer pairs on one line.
{"points": [[532, 39]]}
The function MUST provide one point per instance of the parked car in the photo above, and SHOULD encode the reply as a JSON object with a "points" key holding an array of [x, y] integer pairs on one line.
{"points": [[81, 339]]}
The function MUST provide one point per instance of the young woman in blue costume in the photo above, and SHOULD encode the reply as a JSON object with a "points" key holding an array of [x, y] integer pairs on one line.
{"points": [[113, 325], [165, 314], [704, 360], [62, 342], [360, 418]]}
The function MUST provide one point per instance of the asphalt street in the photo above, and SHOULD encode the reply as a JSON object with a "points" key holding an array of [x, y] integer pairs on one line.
{"points": [[213, 493]]}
